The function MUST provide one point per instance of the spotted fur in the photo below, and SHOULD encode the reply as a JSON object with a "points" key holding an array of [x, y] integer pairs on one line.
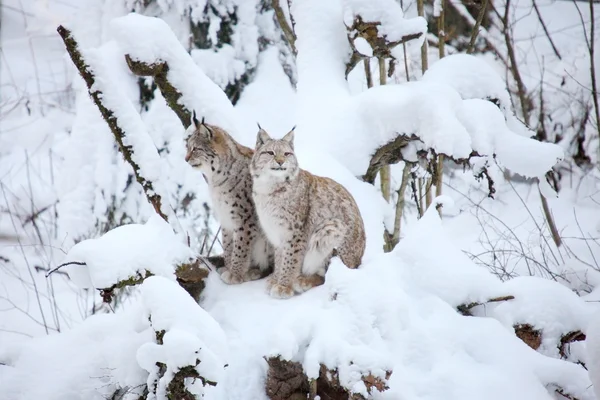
{"points": [[225, 166], [306, 218]]}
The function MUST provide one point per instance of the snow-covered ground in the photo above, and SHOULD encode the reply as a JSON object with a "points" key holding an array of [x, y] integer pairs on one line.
{"points": [[397, 312]]}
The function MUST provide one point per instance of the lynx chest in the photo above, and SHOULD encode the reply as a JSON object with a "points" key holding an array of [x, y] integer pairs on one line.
{"points": [[274, 218]]}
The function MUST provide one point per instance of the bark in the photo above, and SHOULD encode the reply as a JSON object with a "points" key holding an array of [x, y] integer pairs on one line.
{"points": [[159, 72]]}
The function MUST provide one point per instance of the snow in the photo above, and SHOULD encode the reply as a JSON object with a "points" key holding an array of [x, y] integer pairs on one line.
{"points": [[190, 335], [411, 327], [131, 32], [393, 26], [546, 305], [593, 352], [125, 252], [397, 312]]}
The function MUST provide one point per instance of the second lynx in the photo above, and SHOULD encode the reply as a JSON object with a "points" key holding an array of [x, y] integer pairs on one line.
{"points": [[307, 218]]}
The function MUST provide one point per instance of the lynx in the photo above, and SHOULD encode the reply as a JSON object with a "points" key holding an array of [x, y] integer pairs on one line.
{"points": [[307, 218], [225, 166]]}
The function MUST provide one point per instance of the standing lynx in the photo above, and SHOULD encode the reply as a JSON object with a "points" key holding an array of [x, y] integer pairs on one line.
{"points": [[225, 166], [307, 218]]}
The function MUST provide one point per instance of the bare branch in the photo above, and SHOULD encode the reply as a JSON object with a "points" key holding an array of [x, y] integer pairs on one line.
{"points": [[64, 265], [539, 15]]}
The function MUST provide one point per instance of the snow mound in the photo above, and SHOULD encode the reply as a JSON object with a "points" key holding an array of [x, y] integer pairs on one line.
{"points": [[396, 313], [127, 251], [190, 337], [90, 361], [546, 305]]}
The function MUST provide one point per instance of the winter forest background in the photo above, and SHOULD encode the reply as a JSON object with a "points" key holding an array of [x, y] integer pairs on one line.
{"points": [[467, 131]]}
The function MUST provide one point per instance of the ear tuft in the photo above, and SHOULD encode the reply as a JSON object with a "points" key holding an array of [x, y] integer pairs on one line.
{"points": [[262, 138], [195, 120], [289, 137]]}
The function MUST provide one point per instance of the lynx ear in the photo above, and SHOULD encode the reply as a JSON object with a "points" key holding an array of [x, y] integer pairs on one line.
{"points": [[289, 137], [205, 130], [262, 137], [195, 120]]}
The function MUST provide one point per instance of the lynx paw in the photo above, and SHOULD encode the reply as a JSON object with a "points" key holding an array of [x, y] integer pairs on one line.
{"points": [[306, 282], [253, 274], [230, 278], [280, 291]]}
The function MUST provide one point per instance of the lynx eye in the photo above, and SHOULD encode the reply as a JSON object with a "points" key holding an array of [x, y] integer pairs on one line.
{"points": [[269, 153], [287, 154]]}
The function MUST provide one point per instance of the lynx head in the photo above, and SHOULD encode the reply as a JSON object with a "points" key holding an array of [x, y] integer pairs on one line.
{"points": [[206, 146], [275, 157]]}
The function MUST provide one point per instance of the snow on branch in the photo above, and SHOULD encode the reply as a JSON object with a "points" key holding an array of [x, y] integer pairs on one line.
{"points": [[153, 49], [159, 71], [188, 357], [127, 252], [125, 123]]}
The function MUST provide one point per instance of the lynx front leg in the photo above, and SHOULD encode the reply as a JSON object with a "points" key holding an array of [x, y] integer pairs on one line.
{"points": [[288, 266], [239, 260], [227, 242]]}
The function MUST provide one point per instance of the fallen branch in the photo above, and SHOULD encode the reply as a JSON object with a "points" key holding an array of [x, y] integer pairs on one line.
{"points": [[111, 120], [286, 380], [190, 277], [565, 340], [528, 334], [465, 309]]}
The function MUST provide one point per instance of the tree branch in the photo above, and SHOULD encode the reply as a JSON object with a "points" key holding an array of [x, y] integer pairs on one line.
{"points": [[390, 153], [475, 31], [159, 71], [111, 120], [285, 27]]}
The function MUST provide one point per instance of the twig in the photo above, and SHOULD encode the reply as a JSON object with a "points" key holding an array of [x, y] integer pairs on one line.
{"points": [[37, 294], [384, 172], [465, 309], [585, 239], [593, 70], [111, 120], [64, 265], [368, 74], [213, 242], [475, 30], [539, 15]]}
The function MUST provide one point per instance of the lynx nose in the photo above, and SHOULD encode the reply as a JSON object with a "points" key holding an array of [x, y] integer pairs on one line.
{"points": [[188, 156], [279, 160]]}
